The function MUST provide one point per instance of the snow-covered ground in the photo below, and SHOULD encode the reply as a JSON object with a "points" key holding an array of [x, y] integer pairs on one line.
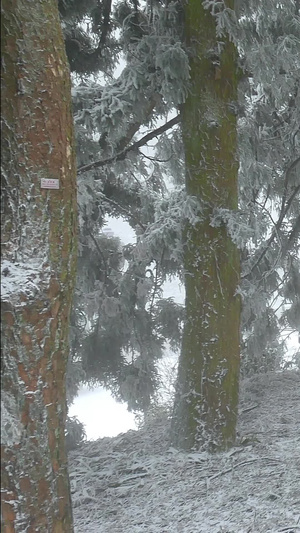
{"points": [[136, 483]]}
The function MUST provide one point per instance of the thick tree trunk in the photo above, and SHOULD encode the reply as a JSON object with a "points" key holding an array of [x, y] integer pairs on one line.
{"points": [[38, 269], [207, 390]]}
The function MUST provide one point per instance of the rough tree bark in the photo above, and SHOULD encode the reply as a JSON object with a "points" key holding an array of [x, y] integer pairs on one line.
{"points": [[207, 390], [38, 267]]}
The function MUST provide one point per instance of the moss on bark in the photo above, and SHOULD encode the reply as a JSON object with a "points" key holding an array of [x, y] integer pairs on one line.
{"points": [[207, 390]]}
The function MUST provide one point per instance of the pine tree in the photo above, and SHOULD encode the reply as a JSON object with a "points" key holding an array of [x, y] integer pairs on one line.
{"points": [[38, 269], [114, 179], [117, 175], [268, 39], [207, 390], [266, 225]]}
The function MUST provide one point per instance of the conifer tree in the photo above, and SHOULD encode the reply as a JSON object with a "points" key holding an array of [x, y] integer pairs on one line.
{"points": [[207, 390], [39, 234], [116, 179], [118, 176]]}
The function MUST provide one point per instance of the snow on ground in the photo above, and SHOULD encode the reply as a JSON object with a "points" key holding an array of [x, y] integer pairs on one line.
{"points": [[137, 483]]}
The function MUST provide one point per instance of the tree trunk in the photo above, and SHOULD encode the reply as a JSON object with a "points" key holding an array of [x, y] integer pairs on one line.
{"points": [[207, 390], [38, 269]]}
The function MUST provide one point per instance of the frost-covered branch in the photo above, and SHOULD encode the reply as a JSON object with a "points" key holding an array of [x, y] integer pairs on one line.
{"points": [[124, 211], [101, 254], [293, 236], [275, 231], [121, 155]]}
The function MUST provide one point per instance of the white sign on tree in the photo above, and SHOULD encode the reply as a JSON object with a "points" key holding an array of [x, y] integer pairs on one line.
{"points": [[49, 183]]}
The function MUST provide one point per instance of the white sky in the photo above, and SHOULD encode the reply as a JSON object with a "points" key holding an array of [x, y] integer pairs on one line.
{"points": [[101, 414]]}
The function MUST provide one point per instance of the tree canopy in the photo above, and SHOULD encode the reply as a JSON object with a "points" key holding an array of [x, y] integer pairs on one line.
{"points": [[131, 76]]}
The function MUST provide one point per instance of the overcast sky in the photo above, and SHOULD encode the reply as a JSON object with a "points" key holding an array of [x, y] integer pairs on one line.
{"points": [[101, 414]]}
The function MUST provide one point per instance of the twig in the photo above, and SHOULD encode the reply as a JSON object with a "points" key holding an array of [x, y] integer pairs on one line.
{"points": [[223, 472], [289, 529], [249, 408]]}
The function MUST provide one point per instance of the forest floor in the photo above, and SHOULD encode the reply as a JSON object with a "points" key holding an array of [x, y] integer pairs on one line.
{"points": [[137, 483]]}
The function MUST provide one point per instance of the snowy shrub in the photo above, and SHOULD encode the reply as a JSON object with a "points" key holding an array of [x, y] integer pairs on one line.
{"points": [[75, 433]]}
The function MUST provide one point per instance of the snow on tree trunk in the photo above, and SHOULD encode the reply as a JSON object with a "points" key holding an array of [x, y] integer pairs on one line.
{"points": [[205, 409], [38, 269]]}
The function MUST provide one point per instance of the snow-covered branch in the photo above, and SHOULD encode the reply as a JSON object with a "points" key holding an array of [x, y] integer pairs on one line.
{"points": [[121, 155]]}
